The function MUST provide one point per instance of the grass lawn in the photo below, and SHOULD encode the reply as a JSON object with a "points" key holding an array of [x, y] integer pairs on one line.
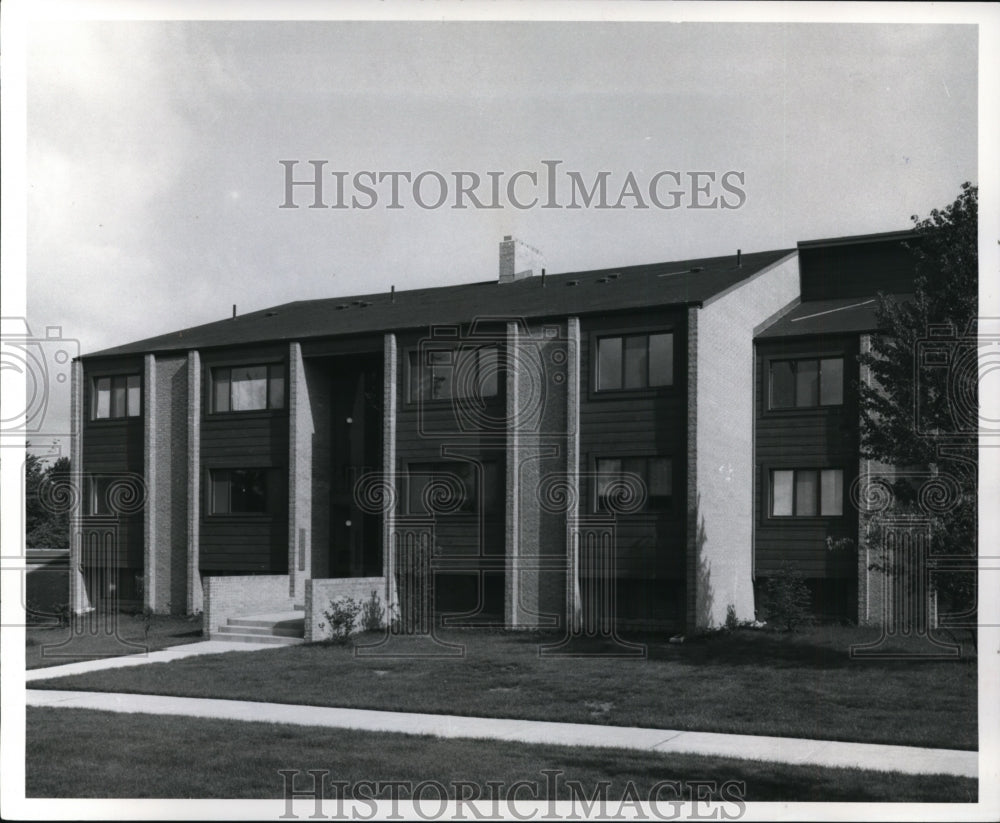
{"points": [[123, 634], [744, 682], [83, 753]]}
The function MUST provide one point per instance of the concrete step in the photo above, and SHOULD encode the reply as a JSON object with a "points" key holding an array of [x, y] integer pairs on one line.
{"points": [[277, 628], [263, 622], [263, 631], [260, 639], [273, 617]]}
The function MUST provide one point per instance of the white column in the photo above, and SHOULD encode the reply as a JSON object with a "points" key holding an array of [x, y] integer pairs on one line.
{"points": [[194, 590], [390, 359], [511, 566], [300, 437], [573, 606], [79, 602], [149, 475]]}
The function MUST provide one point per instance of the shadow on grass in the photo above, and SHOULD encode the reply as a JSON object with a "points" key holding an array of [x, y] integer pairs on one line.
{"points": [[825, 646]]}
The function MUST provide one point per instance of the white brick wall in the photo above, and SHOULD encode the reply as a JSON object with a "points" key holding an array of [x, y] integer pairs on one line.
{"points": [[723, 447], [320, 593], [195, 595], [167, 553], [300, 473], [79, 602], [537, 446], [234, 596]]}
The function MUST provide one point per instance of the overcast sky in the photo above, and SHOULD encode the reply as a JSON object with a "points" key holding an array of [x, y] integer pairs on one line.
{"points": [[154, 181]]}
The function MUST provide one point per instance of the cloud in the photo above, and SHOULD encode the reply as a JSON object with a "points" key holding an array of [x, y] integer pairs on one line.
{"points": [[107, 141], [153, 149]]}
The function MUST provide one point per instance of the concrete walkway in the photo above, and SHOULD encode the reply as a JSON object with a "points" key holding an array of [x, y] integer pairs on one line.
{"points": [[162, 656], [908, 759]]}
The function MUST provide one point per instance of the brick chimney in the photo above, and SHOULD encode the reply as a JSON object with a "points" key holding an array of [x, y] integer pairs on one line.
{"points": [[518, 260]]}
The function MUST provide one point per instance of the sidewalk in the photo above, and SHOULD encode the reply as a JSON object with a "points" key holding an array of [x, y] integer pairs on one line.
{"points": [[907, 759], [161, 656]]}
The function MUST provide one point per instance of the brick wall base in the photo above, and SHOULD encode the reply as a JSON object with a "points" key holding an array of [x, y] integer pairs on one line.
{"points": [[226, 597], [319, 594]]}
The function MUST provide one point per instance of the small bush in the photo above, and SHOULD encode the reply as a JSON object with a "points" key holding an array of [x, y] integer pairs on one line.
{"points": [[786, 600], [414, 581], [342, 616], [732, 621], [64, 613], [372, 613]]}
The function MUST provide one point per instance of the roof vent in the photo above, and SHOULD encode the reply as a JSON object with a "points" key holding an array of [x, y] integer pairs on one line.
{"points": [[270, 314], [696, 269], [518, 260], [572, 282], [615, 275], [342, 306], [603, 279]]}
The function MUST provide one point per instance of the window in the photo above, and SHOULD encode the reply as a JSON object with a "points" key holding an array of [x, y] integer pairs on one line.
{"points": [[656, 474], [238, 491], [248, 388], [117, 397], [807, 492], [98, 499], [797, 384], [451, 488], [635, 361], [457, 372]]}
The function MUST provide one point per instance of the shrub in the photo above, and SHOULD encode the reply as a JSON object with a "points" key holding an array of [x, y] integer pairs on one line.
{"points": [[64, 613], [341, 616], [786, 600], [732, 622], [414, 581], [372, 613]]}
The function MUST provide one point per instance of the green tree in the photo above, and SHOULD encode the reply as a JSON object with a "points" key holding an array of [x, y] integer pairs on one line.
{"points": [[46, 520], [921, 413]]}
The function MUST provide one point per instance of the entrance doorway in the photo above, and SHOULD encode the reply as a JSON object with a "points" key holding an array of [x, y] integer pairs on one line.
{"points": [[356, 383]]}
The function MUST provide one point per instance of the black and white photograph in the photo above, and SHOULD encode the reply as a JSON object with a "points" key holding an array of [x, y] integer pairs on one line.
{"points": [[500, 411]]}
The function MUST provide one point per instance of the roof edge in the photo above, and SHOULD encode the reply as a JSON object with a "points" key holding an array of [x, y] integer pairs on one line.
{"points": [[857, 239], [788, 255]]}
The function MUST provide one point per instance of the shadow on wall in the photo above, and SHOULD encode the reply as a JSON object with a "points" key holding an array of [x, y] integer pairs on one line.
{"points": [[703, 588]]}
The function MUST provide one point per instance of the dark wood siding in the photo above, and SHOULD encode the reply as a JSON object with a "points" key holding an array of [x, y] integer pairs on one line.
{"points": [[244, 544], [343, 345], [856, 270], [810, 438], [114, 448], [424, 427], [258, 439], [638, 423]]}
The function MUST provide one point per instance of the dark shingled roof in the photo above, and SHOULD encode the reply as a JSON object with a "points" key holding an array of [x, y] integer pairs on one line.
{"points": [[844, 315], [684, 282]]}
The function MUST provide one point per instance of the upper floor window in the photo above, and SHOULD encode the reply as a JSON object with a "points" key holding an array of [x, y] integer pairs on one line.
{"points": [[239, 491], [635, 361], [804, 383], [807, 492], [98, 499], [117, 493], [452, 487], [655, 474], [248, 388], [117, 396], [454, 372]]}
